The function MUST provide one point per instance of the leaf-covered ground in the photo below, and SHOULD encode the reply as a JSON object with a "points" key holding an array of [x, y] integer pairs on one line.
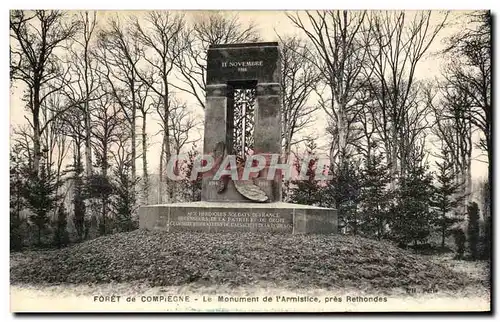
{"points": [[238, 259]]}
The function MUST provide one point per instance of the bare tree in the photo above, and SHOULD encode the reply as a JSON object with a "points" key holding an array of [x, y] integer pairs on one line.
{"points": [[397, 46], [120, 52], [366, 140], [162, 38], [23, 140], [73, 127], [341, 56], [83, 66], [415, 125], [454, 131], [469, 72], [124, 203], [106, 121], [55, 145], [144, 107], [182, 123], [209, 28], [35, 37], [299, 78]]}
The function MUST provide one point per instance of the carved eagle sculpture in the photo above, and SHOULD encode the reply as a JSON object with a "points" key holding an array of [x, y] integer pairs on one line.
{"points": [[247, 188]]}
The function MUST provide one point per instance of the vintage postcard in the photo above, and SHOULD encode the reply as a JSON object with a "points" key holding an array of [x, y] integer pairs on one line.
{"points": [[250, 161]]}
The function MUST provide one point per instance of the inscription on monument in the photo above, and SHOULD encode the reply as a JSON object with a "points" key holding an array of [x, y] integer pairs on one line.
{"points": [[242, 65], [222, 220], [261, 183]]}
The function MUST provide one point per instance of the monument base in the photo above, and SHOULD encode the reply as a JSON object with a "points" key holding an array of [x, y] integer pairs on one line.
{"points": [[202, 216]]}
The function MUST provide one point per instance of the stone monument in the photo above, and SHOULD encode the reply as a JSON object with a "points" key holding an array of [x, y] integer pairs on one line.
{"points": [[242, 125]]}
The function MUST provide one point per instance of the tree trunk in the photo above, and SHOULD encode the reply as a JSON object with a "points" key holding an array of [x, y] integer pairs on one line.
{"points": [[342, 135], [468, 184], [166, 141], [443, 231], [88, 163], [133, 171], [104, 171], [166, 154], [160, 176], [286, 184], [461, 181], [133, 138], [145, 174], [88, 149], [490, 178], [36, 129], [379, 224], [394, 161]]}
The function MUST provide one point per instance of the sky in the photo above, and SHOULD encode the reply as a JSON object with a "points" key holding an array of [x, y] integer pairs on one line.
{"points": [[268, 24]]}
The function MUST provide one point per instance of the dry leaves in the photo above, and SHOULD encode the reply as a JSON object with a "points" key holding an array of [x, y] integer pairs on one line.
{"points": [[164, 259]]}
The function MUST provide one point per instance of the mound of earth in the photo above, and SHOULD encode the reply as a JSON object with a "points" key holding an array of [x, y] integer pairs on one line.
{"points": [[167, 259]]}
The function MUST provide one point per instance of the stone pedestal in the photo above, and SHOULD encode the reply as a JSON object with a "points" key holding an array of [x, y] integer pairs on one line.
{"points": [[276, 217]]}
